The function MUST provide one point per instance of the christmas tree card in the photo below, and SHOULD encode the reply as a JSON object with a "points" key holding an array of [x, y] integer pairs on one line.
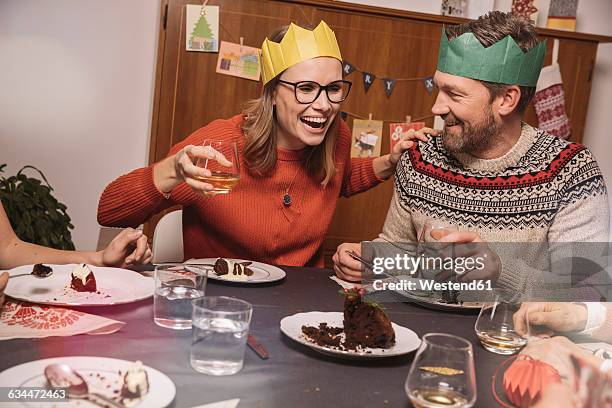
{"points": [[202, 28], [238, 60]]}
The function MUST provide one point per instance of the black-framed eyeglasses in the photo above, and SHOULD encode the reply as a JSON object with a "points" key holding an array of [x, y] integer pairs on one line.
{"points": [[308, 91]]}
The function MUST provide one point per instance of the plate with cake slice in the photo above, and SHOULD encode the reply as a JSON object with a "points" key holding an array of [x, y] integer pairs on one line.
{"points": [[240, 270], [362, 331], [78, 285], [128, 383]]}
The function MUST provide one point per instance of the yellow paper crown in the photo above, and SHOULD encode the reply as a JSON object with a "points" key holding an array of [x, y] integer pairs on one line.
{"points": [[298, 44]]}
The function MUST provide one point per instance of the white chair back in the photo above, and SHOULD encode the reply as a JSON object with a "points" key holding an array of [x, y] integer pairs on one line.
{"points": [[168, 238]]}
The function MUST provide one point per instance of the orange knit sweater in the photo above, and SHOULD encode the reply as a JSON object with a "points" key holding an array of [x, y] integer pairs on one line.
{"points": [[250, 222]]}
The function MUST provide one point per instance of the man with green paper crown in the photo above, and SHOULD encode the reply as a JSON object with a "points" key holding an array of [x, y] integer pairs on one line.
{"points": [[491, 177]]}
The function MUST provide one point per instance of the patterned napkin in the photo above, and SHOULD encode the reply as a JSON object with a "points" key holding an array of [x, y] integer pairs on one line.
{"points": [[19, 320], [343, 283], [233, 403]]}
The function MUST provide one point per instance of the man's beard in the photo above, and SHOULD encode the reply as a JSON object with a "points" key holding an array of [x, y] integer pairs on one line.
{"points": [[472, 138]]}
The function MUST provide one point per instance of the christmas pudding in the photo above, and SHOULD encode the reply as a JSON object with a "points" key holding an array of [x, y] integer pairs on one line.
{"points": [[232, 270], [82, 279], [365, 326], [365, 323]]}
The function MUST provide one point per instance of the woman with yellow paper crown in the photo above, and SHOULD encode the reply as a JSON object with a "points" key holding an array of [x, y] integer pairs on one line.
{"points": [[295, 163]]}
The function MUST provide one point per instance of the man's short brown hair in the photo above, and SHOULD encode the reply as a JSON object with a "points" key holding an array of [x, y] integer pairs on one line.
{"points": [[493, 27]]}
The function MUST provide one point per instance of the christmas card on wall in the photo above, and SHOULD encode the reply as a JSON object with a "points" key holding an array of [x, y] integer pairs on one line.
{"points": [[399, 131], [457, 8], [202, 28], [367, 137], [238, 60]]}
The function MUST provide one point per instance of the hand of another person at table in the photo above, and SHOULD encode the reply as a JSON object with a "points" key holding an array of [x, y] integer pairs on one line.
{"points": [[408, 141], [130, 247], [556, 351], [471, 246], [345, 266], [557, 396], [4, 276], [185, 168], [557, 316]]}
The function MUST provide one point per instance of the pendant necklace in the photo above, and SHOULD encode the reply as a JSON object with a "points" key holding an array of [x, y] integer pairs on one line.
{"points": [[287, 197]]}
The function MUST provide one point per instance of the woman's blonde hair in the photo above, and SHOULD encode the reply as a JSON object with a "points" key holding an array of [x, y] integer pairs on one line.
{"points": [[260, 127]]}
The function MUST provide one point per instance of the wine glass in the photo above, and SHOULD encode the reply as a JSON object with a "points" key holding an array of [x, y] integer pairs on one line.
{"points": [[495, 328], [428, 246], [442, 373], [222, 178]]}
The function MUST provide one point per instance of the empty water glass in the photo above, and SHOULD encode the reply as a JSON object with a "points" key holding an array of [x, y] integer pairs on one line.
{"points": [[175, 287], [220, 331]]}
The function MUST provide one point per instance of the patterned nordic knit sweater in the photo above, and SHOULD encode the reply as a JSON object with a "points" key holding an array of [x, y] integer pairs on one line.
{"points": [[251, 221], [544, 190]]}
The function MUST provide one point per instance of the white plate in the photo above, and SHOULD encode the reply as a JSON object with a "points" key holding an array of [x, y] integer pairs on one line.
{"points": [[262, 272], [405, 339], [115, 286], [161, 388], [431, 300]]}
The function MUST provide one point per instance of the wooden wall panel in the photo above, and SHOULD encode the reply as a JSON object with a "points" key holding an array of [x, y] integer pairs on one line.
{"points": [[388, 43]]}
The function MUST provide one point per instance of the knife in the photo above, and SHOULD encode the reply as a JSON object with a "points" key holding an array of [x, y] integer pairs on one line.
{"points": [[257, 347]]}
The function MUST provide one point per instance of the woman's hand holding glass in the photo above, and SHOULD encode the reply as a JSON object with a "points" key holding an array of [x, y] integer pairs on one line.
{"points": [[210, 169]]}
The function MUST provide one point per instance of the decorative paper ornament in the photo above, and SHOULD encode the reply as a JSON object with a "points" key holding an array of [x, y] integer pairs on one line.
{"points": [[525, 8], [526, 379]]}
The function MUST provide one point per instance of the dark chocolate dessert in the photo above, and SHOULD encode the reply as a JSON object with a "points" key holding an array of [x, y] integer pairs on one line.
{"points": [[42, 271], [365, 326], [366, 323], [232, 269]]}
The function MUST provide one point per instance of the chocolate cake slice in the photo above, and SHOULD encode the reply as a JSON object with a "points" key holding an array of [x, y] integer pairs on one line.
{"points": [[232, 270], [82, 279], [365, 323], [42, 271]]}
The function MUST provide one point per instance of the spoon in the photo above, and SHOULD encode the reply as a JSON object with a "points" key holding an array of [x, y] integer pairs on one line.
{"points": [[38, 274], [62, 376]]}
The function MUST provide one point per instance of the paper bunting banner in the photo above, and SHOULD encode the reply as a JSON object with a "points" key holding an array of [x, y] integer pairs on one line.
{"points": [[429, 85], [347, 68], [389, 85], [368, 80]]}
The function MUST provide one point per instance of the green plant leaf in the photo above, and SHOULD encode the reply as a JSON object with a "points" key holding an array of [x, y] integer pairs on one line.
{"points": [[35, 214]]}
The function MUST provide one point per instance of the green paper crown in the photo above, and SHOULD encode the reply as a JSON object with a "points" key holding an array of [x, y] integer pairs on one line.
{"points": [[503, 62]]}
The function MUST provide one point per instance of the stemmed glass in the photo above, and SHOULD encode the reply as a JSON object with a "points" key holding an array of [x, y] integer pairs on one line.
{"points": [[442, 374], [495, 328], [222, 178]]}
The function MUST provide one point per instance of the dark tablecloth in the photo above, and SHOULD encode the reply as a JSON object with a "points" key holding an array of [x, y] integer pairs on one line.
{"points": [[293, 376]]}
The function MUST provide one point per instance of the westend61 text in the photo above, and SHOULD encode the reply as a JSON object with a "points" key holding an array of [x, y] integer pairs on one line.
{"points": [[430, 285]]}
